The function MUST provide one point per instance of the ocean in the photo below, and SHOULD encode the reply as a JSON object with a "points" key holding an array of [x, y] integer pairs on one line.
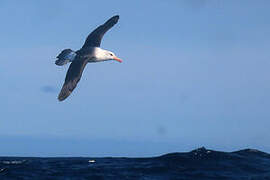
{"points": [[199, 164]]}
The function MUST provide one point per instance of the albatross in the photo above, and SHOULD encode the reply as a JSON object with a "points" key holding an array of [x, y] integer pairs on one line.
{"points": [[89, 53]]}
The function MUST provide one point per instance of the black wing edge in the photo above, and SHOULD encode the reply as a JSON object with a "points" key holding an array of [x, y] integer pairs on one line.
{"points": [[95, 37], [73, 76]]}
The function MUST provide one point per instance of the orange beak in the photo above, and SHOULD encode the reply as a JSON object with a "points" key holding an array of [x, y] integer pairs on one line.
{"points": [[117, 59]]}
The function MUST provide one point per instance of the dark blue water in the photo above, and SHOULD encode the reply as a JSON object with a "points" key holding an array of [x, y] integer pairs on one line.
{"points": [[200, 164]]}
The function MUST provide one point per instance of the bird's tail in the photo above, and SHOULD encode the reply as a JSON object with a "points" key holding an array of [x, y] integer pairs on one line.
{"points": [[66, 56]]}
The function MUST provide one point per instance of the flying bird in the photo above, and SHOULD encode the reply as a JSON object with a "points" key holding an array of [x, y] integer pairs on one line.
{"points": [[89, 53]]}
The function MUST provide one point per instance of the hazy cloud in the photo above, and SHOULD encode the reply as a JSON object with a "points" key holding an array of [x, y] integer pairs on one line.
{"points": [[48, 89], [161, 130]]}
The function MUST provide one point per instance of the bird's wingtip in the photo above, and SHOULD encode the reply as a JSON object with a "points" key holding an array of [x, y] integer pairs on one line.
{"points": [[116, 17], [60, 99], [64, 93]]}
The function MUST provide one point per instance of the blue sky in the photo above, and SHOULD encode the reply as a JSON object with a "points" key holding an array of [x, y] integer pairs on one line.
{"points": [[195, 73]]}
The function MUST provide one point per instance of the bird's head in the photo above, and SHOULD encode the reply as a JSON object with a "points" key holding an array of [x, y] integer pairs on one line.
{"points": [[111, 56], [104, 55]]}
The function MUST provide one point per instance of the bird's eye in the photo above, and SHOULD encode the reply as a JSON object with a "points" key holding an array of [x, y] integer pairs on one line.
{"points": [[111, 54]]}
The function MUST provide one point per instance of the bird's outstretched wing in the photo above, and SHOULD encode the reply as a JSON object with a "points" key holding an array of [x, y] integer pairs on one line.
{"points": [[95, 37], [73, 76]]}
